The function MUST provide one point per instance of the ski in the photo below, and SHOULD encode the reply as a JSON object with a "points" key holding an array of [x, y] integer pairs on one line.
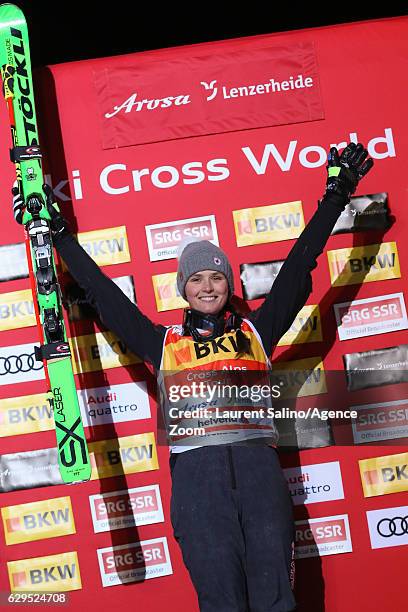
{"points": [[15, 67]]}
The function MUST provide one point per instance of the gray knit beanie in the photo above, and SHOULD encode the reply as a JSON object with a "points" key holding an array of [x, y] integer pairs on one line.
{"points": [[202, 255]]}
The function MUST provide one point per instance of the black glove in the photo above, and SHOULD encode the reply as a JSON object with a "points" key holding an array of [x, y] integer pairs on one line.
{"points": [[58, 224], [345, 171]]}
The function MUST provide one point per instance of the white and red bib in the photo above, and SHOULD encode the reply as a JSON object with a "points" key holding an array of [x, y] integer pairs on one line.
{"points": [[231, 382]]}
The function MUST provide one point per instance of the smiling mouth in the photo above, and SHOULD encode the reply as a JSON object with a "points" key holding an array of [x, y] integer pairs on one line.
{"points": [[208, 298]]}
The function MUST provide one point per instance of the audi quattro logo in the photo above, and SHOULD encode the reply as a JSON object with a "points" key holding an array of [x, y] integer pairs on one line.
{"points": [[396, 526], [13, 364]]}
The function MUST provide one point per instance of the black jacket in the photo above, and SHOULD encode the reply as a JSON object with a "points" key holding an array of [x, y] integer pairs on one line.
{"points": [[272, 319]]}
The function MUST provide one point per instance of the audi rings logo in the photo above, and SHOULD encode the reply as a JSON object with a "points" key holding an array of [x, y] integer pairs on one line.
{"points": [[396, 526], [13, 364]]}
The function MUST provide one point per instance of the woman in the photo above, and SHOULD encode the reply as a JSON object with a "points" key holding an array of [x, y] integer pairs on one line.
{"points": [[230, 507]]}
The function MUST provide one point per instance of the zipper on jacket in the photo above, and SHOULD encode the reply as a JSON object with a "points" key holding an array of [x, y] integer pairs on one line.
{"points": [[231, 465]]}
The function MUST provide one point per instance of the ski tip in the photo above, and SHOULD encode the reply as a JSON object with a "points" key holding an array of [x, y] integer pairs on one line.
{"points": [[11, 15]]}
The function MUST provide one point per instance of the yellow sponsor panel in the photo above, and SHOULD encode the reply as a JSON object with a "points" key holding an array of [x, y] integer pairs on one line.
{"points": [[201, 354], [165, 292], [25, 414], [383, 475], [48, 574], [268, 223], [364, 264], [305, 328], [125, 455], [16, 310], [100, 351], [106, 246], [300, 377], [49, 518]]}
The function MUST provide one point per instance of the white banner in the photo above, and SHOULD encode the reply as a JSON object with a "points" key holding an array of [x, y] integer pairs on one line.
{"points": [[376, 315], [114, 404], [128, 508], [134, 562], [309, 484], [165, 239], [328, 535], [18, 364], [13, 261], [388, 527], [383, 421]]}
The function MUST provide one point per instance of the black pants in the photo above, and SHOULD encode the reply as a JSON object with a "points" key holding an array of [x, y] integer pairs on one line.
{"points": [[232, 517]]}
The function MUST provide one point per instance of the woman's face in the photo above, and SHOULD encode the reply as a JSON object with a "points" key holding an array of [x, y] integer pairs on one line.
{"points": [[207, 291]]}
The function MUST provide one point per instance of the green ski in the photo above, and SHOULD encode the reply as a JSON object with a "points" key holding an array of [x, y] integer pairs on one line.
{"points": [[15, 65]]}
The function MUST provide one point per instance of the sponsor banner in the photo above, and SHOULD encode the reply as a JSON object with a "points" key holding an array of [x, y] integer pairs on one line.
{"points": [[328, 535], [100, 351], [13, 262], [383, 421], [356, 265], [319, 482], [39, 468], [51, 574], [362, 213], [127, 285], [29, 469], [25, 414], [79, 308], [114, 404], [49, 518], [129, 508], [306, 327], [370, 316], [300, 377], [301, 433], [125, 455], [16, 310], [165, 239], [166, 292], [18, 364], [383, 475], [385, 366], [388, 527], [257, 278], [268, 223], [134, 562], [105, 246], [207, 92]]}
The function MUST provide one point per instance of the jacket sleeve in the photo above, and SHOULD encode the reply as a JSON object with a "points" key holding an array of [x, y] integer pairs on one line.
{"points": [[293, 284], [115, 310]]}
